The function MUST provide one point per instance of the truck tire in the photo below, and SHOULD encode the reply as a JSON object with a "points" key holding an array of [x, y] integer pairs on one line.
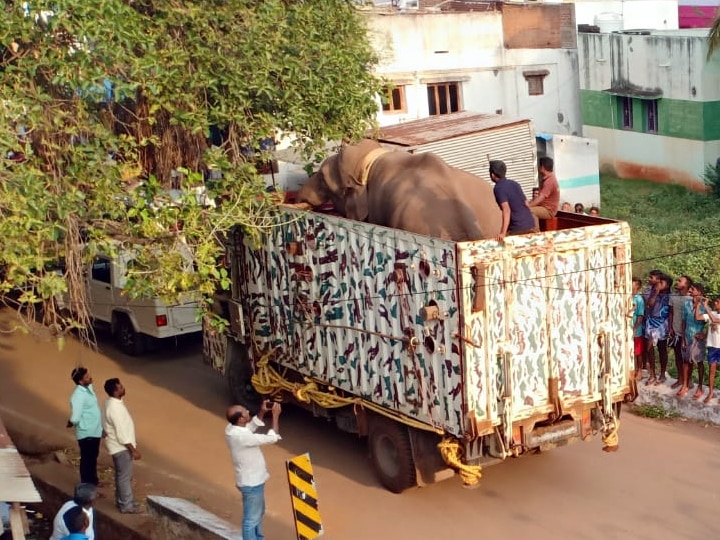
{"points": [[239, 372], [127, 338], [391, 454]]}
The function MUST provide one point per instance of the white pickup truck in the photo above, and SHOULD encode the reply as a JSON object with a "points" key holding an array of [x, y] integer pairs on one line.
{"points": [[134, 322]]}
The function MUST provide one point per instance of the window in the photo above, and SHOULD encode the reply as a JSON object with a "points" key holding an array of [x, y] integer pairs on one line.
{"points": [[626, 110], [101, 270], [536, 81], [394, 99], [443, 98], [651, 116]]}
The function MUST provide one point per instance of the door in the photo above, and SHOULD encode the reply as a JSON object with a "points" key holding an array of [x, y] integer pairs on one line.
{"points": [[100, 289], [536, 311]]}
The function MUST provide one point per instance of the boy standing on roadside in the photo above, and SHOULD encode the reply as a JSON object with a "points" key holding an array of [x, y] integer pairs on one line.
{"points": [[637, 321], [693, 341], [657, 313], [677, 303], [713, 342]]}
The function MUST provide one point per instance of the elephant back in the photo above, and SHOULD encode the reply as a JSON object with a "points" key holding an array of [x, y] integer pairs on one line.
{"points": [[421, 193]]}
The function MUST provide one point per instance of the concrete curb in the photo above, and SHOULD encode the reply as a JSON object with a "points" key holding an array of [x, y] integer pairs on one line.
{"points": [[51, 480], [686, 407], [181, 519]]}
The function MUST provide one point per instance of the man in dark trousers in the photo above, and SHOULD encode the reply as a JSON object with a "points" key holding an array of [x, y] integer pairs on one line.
{"points": [[516, 215], [85, 418]]}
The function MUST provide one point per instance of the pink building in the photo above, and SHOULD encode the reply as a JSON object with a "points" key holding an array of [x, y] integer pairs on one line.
{"points": [[697, 13]]}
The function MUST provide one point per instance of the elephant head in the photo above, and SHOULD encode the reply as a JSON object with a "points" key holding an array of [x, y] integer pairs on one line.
{"points": [[341, 179]]}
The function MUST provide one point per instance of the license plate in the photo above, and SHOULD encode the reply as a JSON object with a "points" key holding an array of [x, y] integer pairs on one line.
{"points": [[552, 435]]}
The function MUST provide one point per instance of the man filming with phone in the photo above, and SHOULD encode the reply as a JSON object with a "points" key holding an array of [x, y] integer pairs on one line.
{"points": [[250, 471]]}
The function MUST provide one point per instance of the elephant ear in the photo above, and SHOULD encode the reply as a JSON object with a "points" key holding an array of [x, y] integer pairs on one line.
{"points": [[352, 160], [356, 202]]}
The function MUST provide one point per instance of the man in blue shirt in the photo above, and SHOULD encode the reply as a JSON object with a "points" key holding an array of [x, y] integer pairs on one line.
{"points": [[77, 522], [516, 216], [85, 418], [638, 315]]}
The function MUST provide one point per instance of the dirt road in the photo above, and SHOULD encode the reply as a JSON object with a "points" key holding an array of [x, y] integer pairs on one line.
{"points": [[663, 483]]}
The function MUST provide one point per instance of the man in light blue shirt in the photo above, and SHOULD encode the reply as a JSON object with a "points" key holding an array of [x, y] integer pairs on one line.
{"points": [[85, 418]]}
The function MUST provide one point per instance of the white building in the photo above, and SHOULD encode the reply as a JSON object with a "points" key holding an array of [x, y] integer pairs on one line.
{"points": [[652, 100], [517, 60], [612, 15]]}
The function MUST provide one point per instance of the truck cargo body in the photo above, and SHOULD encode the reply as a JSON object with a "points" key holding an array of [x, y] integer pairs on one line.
{"points": [[522, 341]]}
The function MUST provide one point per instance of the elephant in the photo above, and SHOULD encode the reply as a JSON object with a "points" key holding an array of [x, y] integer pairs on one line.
{"points": [[419, 193]]}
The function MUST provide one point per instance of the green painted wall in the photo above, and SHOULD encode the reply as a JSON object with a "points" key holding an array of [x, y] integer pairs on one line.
{"points": [[712, 120], [596, 107], [694, 120], [683, 119]]}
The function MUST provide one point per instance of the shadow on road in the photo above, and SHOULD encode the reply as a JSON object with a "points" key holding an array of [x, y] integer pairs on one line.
{"points": [[329, 447]]}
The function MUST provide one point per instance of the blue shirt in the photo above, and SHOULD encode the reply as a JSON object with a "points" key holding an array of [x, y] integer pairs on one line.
{"points": [[657, 317], [85, 412], [692, 326], [509, 191], [75, 536], [639, 311]]}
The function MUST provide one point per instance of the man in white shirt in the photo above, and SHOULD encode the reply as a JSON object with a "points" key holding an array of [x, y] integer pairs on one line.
{"points": [[85, 495], [120, 441], [250, 470]]}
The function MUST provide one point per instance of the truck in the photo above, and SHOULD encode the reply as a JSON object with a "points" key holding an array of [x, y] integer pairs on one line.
{"points": [[136, 323], [446, 356]]}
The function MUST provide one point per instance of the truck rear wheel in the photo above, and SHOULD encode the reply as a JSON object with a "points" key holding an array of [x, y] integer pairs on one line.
{"points": [[391, 454], [239, 372], [127, 338]]}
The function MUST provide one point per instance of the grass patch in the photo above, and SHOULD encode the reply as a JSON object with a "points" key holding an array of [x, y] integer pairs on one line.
{"points": [[654, 411], [673, 229]]}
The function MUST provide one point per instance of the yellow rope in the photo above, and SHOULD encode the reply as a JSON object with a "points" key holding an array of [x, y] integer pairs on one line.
{"points": [[611, 437], [268, 381], [452, 452]]}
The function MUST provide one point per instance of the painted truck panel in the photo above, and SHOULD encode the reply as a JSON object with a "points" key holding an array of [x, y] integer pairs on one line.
{"points": [[454, 335]]}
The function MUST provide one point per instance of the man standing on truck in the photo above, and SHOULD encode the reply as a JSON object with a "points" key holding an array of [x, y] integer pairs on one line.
{"points": [[516, 215], [545, 204], [250, 470], [85, 418]]}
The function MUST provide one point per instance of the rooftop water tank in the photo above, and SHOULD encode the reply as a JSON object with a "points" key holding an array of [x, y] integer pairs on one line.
{"points": [[609, 21]]}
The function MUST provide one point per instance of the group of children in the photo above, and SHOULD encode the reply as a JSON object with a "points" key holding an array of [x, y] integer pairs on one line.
{"points": [[683, 319]]}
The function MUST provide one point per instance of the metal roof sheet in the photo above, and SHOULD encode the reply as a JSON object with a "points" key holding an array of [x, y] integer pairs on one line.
{"points": [[16, 485], [447, 126]]}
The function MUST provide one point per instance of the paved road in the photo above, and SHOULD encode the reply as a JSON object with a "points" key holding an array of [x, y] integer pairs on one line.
{"points": [[663, 483]]}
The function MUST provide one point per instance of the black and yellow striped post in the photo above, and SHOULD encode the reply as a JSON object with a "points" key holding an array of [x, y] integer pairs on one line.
{"points": [[304, 499]]}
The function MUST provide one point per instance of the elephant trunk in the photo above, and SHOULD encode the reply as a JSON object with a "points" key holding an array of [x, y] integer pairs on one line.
{"points": [[313, 192]]}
